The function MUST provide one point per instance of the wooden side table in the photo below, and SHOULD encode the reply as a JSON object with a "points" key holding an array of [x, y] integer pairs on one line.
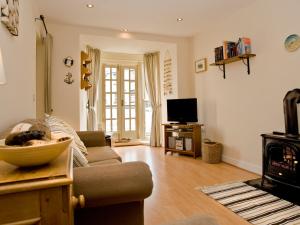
{"points": [[38, 195]]}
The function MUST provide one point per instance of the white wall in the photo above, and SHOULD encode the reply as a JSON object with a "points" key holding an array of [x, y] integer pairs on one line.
{"points": [[17, 96], [66, 98], [237, 110]]}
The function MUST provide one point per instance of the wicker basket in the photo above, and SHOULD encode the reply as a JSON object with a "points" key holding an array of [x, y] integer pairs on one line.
{"points": [[212, 152]]}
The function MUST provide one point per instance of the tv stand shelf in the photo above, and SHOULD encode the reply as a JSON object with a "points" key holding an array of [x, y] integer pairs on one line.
{"points": [[183, 139]]}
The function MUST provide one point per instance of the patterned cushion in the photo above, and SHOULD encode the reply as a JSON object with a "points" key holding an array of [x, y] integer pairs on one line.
{"points": [[58, 125], [79, 159]]}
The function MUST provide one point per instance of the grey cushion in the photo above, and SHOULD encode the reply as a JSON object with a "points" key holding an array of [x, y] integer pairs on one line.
{"points": [[96, 154]]}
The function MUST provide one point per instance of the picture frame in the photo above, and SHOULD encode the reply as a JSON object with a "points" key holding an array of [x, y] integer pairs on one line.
{"points": [[201, 65]]}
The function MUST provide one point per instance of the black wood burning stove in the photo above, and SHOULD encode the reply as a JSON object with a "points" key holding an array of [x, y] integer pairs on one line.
{"points": [[281, 151]]}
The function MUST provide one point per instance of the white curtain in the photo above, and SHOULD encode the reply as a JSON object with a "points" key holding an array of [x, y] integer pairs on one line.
{"points": [[152, 75], [48, 43], [92, 116]]}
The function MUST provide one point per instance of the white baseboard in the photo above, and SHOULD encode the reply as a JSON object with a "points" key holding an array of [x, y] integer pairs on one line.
{"points": [[244, 165]]}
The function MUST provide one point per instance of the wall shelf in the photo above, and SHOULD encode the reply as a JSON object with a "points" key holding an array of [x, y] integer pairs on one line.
{"points": [[85, 71], [243, 58]]}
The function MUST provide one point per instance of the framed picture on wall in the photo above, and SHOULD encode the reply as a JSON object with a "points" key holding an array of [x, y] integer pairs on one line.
{"points": [[201, 65]]}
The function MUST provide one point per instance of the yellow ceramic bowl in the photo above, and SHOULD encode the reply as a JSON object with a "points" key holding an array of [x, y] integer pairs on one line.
{"points": [[32, 155]]}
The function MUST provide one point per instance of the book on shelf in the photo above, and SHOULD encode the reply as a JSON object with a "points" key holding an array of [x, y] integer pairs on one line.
{"points": [[244, 46], [171, 142], [219, 53], [179, 144], [188, 144], [229, 48]]}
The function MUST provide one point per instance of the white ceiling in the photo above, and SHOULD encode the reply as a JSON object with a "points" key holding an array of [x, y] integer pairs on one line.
{"points": [[151, 16]]}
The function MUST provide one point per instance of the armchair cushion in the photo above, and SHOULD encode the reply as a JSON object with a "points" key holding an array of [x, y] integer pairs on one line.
{"points": [[113, 184]]}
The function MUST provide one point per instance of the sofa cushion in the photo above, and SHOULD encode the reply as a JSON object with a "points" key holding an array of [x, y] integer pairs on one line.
{"points": [[79, 160], [58, 125], [105, 162], [101, 153]]}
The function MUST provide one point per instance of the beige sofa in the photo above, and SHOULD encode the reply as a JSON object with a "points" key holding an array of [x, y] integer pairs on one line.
{"points": [[114, 192]]}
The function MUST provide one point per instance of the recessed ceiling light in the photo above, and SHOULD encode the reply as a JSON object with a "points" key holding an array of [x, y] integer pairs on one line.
{"points": [[124, 29], [179, 19], [90, 5]]}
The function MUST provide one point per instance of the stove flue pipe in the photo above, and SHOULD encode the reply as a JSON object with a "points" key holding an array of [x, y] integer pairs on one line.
{"points": [[290, 112]]}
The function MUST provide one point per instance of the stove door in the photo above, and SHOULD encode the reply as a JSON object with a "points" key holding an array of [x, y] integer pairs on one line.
{"points": [[282, 162]]}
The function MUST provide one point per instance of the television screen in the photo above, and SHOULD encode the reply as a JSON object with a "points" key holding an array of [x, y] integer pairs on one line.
{"points": [[182, 110]]}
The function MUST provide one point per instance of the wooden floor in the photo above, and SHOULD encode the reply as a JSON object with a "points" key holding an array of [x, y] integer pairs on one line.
{"points": [[175, 179]]}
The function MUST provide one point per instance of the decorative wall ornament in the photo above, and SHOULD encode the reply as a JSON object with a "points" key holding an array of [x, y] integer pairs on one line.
{"points": [[168, 81], [9, 15], [201, 65], [68, 79], [292, 42], [68, 61]]}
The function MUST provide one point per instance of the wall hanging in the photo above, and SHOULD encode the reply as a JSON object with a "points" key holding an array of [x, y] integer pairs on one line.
{"points": [[10, 15], [85, 71], [292, 42], [68, 78], [201, 65], [68, 61], [168, 89]]}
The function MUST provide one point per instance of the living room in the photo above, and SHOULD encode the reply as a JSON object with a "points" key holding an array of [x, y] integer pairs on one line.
{"points": [[234, 111]]}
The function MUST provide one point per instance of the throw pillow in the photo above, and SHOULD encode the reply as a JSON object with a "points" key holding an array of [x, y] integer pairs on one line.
{"points": [[59, 125], [79, 160]]}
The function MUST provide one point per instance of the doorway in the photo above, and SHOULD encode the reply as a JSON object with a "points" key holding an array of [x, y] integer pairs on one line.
{"points": [[120, 106]]}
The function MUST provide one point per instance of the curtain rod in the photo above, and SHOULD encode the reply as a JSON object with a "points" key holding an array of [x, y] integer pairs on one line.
{"points": [[42, 18]]}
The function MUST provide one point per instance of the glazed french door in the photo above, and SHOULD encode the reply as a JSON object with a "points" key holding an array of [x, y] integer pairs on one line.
{"points": [[120, 100]]}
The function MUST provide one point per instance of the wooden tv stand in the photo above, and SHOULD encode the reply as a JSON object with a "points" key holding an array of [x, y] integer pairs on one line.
{"points": [[183, 139]]}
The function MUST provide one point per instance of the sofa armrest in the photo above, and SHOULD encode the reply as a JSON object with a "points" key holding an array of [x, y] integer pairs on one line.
{"points": [[113, 184], [92, 138]]}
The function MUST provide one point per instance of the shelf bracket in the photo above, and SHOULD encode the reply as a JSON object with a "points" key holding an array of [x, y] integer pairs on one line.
{"points": [[223, 69], [247, 64], [245, 58]]}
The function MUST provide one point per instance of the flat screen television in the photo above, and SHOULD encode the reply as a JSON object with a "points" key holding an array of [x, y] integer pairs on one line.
{"points": [[182, 110]]}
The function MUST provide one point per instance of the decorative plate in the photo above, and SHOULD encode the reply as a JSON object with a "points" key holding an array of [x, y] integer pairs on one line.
{"points": [[292, 42]]}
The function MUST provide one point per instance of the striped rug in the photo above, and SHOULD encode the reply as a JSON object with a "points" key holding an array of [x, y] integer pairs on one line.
{"points": [[254, 205]]}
